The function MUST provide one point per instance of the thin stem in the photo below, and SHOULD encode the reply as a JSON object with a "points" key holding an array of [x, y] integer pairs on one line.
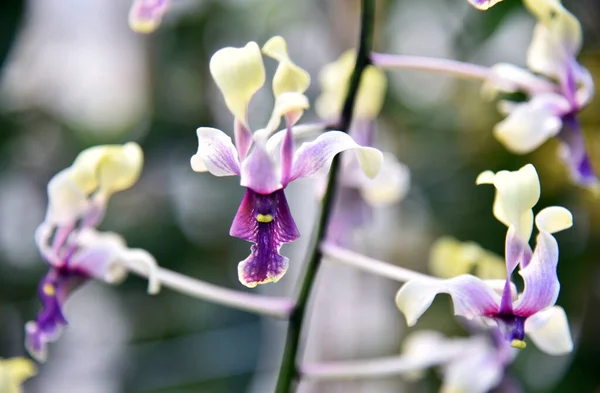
{"points": [[371, 368], [288, 372], [384, 269], [258, 304], [532, 84]]}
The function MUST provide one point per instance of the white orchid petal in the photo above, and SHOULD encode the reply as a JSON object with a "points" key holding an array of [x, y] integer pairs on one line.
{"points": [[549, 330]]}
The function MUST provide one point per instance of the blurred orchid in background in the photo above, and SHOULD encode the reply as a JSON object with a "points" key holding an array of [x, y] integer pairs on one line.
{"points": [[551, 110], [69, 242], [13, 372], [145, 15], [533, 311], [357, 193], [264, 216]]}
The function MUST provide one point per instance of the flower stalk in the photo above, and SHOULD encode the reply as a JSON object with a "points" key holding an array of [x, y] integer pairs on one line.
{"points": [[288, 373], [258, 304]]}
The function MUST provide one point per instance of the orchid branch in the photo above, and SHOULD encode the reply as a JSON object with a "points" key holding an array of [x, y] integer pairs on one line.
{"points": [[456, 68], [383, 269], [265, 305], [288, 373]]}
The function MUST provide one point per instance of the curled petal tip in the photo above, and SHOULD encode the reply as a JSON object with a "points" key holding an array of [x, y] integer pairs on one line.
{"points": [[554, 219], [484, 4]]}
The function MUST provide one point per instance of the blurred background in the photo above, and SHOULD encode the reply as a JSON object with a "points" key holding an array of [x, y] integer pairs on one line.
{"points": [[73, 75]]}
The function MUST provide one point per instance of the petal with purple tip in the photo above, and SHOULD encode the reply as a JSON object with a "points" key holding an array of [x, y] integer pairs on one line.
{"points": [[145, 15], [541, 282], [216, 153], [574, 154], [266, 221], [483, 4], [314, 156], [470, 295]]}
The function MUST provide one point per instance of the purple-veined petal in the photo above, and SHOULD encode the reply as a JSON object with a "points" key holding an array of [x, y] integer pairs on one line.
{"points": [[470, 295], [541, 282], [243, 138], [216, 153], [574, 154], [483, 4], [265, 220], [549, 330], [516, 251], [98, 256], [259, 171], [314, 156], [145, 15], [54, 289]]}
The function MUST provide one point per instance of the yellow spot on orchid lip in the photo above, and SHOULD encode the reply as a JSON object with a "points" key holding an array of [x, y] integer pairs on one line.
{"points": [[49, 290], [264, 218], [518, 344]]}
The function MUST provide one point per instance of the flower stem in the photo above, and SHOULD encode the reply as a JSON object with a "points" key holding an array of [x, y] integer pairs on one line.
{"points": [[396, 273], [459, 69], [258, 304], [288, 372]]}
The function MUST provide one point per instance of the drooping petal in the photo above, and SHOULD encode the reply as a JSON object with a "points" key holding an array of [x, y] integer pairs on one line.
{"points": [[216, 153], [541, 282], [391, 184], [530, 124], [108, 168], [288, 77], [265, 220], [54, 289], [549, 330], [313, 156], [97, 256], [239, 73], [483, 4], [15, 371], [260, 172], [573, 153], [145, 15], [471, 297], [516, 193]]}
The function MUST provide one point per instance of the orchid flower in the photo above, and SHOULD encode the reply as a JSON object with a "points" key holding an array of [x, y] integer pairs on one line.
{"points": [[68, 242], [357, 193], [458, 357], [533, 311], [145, 15], [549, 112], [267, 164], [13, 372]]}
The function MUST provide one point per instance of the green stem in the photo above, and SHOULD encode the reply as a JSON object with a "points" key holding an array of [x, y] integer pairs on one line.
{"points": [[288, 373]]}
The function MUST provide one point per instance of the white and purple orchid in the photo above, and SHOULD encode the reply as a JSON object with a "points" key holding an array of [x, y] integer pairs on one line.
{"points": [[68, 242], [358, 194], [533, 311], [145, 15], [552, 107], [267, 163]]}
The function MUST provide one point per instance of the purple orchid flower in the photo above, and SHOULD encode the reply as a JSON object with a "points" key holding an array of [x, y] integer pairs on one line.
{"points": [[264, 217], [553, 107], [68, 242], [532, 311], [267, 164]]}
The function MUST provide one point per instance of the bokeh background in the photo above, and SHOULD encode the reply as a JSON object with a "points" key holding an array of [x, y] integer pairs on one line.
{"points": [[73, 75]]}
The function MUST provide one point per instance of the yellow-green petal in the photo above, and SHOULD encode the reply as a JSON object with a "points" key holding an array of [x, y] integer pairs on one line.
{"points": [[288, 77]]}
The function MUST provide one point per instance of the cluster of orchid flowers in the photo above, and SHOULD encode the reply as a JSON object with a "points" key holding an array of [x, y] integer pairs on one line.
{"points": [[268, 159]]}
